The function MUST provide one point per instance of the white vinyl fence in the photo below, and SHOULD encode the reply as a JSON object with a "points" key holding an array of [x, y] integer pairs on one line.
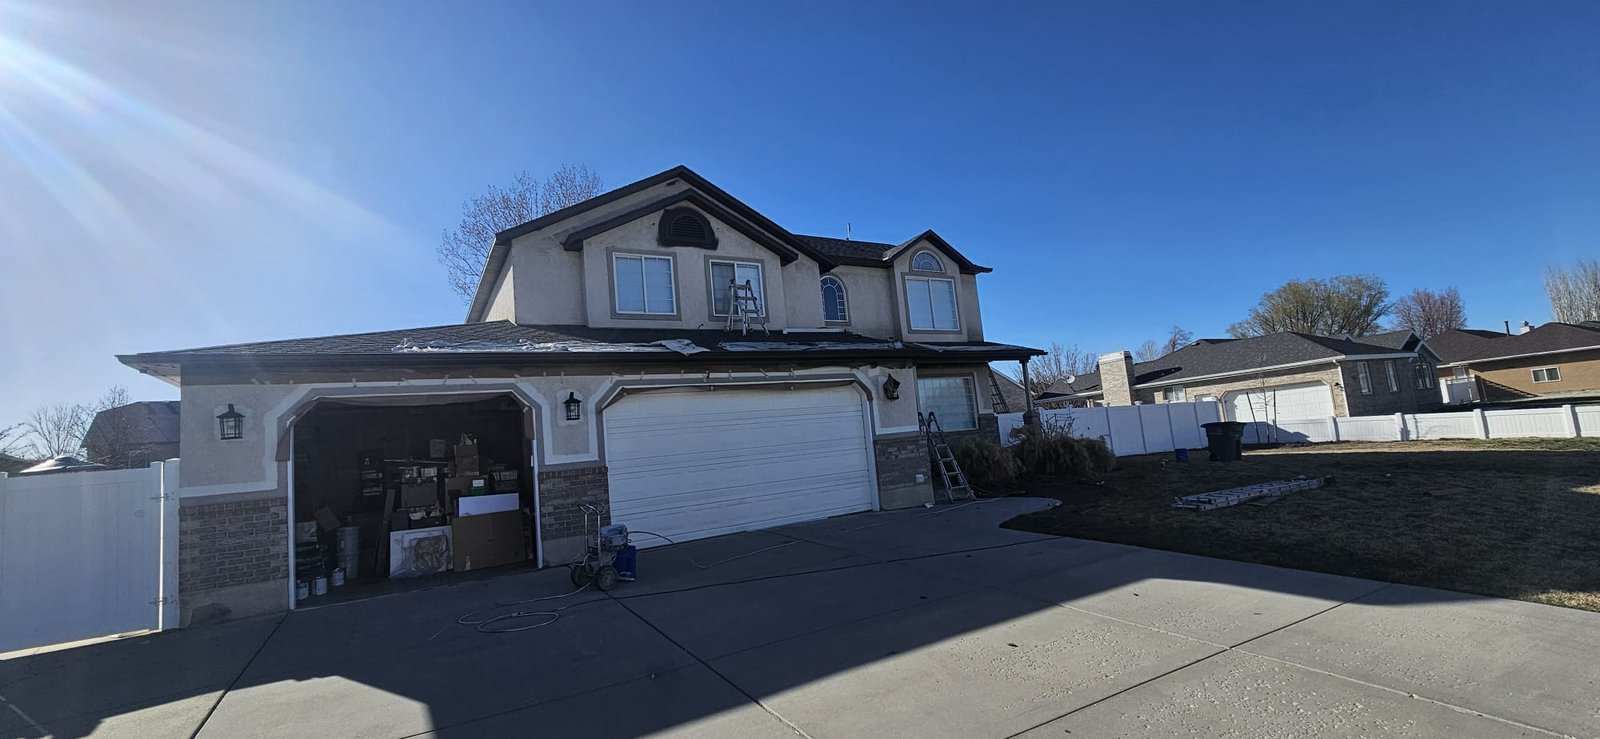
{"points": [[1145, 429], [87, 554], [1130, 429], [1563, 422]]}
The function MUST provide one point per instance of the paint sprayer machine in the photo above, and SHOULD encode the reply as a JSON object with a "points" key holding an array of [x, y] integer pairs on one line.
{"points": [[608, 557]]}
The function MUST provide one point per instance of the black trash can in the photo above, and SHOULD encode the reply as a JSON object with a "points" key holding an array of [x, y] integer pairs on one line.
{"points": [[1225, 439]]}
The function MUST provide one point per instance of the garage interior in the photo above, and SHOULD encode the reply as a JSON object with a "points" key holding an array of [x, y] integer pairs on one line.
{"points": [[394, 493]]}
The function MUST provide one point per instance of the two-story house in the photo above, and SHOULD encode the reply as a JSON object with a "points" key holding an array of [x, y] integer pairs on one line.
{"points": [[596, 373]]}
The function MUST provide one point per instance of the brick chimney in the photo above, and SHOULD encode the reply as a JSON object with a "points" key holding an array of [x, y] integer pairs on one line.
{"points": [[1116, 378]]}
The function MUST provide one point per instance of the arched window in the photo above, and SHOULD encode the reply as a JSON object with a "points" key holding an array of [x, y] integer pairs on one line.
{"points": [[834, 308], [686, 227], [925, 261]]}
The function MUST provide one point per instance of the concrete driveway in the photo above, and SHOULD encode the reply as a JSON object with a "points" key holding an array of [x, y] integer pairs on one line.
{"points": [[894, 624]]}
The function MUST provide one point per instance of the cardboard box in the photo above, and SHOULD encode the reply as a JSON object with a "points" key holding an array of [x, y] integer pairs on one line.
{"points": [[419, 552], [419, 493], [488, 540], [467, 458]]}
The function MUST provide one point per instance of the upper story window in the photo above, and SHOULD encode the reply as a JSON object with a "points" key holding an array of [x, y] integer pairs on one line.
{"points": [[1394, 382], [724, 274], [644, 285], [834, 308], [1364, 374], [931, 304], [925, 261], [1547, 374], [686, 227], [1424, 374]]}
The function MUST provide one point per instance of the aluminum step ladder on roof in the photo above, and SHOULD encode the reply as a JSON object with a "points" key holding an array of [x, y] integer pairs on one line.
{"points": [[745, 309], [955, 480]]}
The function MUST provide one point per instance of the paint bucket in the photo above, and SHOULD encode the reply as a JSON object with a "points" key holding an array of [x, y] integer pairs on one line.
{"points": [[349, 548], [319, 586], [301, 590], [338, 577]]}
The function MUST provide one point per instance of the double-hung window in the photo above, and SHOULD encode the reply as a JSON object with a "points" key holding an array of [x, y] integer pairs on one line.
{"points": [[931, 302], [1174, 394], [1424, 374], [725, 274], [952, 400], [1365, 376], [644, 285]]}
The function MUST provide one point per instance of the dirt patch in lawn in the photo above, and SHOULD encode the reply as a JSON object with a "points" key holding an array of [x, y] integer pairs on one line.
{"points": [[1516, 519]]}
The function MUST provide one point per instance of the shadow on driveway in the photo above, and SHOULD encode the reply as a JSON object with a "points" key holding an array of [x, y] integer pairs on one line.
{"points": [[906, 623]]}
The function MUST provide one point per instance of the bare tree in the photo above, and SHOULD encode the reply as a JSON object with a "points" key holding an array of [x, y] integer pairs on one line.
{"points": [[1147, 351], [464, 251], [1177, 338], [11, 440], [1428, 314], [1055, 366], [1574, 292], [1347, 305], [58, 429]]}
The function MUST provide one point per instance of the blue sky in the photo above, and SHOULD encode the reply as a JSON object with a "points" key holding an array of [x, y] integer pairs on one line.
{"points": [[188, 174]]}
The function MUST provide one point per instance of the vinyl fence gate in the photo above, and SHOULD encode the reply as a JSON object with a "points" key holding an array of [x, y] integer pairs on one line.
{"points": [[87, 554]]}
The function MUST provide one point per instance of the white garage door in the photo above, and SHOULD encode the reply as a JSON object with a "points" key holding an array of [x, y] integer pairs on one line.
{"points": [[1283, 402], [695, 463]]}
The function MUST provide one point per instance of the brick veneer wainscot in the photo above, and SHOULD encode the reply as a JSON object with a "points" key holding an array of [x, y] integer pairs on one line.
{"points": [[562, 491], [232, 543]]}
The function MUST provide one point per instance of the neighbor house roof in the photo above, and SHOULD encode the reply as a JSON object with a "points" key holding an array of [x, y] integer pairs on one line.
{"points": [[136, 425], [1207, 358], [719, 204], [1454, 346], [507, 342], [12, 465], [1551, 338]]}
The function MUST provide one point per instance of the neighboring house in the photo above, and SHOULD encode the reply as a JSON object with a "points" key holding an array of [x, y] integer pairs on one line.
{"points": [[595, 368], [12, 465], [134, 435], [1556, 361], [1012, 398], [1265, 378]]}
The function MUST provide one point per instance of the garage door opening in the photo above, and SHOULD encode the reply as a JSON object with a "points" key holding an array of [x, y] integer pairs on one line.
{"points": [[695, 463], [395, 493]]}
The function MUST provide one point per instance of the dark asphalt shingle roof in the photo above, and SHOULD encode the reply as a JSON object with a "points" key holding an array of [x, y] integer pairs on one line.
{"points": [[146, 422], [1484, 345], [1208, 357], [488, 335], [848, 248]]}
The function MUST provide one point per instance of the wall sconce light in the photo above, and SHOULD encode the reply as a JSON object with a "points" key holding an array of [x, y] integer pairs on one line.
{"points": [[230, 424], [891, 388], [574, 406]]}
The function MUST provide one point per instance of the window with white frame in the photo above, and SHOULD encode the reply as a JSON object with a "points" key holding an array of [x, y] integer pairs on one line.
{"points": [[1174, 394], [931, 304], [834, 308], [952, 400], [1364, 374], [1547, 374], [644, 285], [925, 261], [1394, 380], [724, 274]]}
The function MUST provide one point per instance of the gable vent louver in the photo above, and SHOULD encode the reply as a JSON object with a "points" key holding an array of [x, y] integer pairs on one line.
{"points": [[687, 228]]}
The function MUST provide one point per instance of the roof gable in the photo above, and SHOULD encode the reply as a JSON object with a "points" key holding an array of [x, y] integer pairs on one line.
{"points": [[786, 254]]}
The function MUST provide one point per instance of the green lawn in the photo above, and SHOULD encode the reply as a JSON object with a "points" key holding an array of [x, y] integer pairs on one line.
{"points": [[1515, 518]]}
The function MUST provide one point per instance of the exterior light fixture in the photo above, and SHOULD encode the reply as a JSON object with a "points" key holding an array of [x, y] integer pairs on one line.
{"points": [[230, 424], [574, 406], [891, 388]]}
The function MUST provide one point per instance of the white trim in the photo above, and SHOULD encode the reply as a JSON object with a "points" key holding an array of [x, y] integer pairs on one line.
{"points": [[1466, 362], [1532, 372]]}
